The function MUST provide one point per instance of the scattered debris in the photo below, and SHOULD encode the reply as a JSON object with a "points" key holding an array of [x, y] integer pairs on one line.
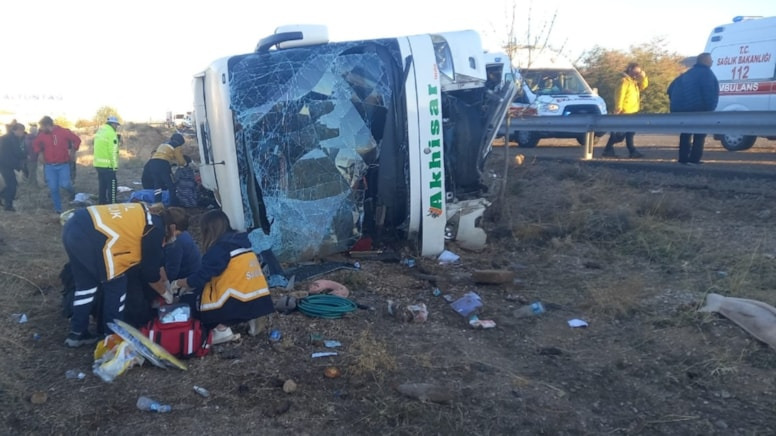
{"points": [[447, 257], [408, 262], [324, 354], [417, 313], [331, 372], [533, 309], [426, 392], [493, 276], [756, 317], [329, 287], [74, 374], [468, 304], [332, 344], [38, 398], [576, 323], [20, 318], [289, 386], [478, 323], [201, 391], [150, 405], [275, 335]]}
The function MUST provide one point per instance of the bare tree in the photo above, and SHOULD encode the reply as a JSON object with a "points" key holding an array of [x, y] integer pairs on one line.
{"points": [[530, 40]]}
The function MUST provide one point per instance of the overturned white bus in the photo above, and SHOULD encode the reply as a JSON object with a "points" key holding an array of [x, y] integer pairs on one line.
{"points": [[312, 145]]}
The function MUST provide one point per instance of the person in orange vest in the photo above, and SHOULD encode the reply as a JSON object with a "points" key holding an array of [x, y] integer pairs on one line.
{"points": [[102, 244], [157, 172], [229, 286]]}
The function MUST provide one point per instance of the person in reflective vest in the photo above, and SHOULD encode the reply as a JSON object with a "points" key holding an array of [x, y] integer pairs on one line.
{"points": [[229, 287], [157, 172], [106, 160], [102, 243]]}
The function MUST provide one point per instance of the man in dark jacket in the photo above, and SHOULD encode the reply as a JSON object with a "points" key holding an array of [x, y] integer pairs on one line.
{"points": [[695, 90], [12, 158]]}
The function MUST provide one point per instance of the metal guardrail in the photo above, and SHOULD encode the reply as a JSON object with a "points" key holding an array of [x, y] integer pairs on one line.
{"points": [[754, 123], [751, 123]]}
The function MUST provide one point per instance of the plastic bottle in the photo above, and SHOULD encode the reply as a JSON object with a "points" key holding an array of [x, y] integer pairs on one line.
{"points": [[201, 391], [72, 374], [533, 309], [149, 405]]}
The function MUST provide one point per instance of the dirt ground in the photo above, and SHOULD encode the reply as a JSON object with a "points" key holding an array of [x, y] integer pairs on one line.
{"points": [[631, 247]]}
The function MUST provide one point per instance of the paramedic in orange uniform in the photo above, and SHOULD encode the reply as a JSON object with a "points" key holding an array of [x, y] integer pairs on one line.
{"points": [[102, 243], [229, 286]]}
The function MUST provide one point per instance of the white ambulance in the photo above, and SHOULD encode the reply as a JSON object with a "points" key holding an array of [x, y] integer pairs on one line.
{"points": [[313, 146], [744, 56]]}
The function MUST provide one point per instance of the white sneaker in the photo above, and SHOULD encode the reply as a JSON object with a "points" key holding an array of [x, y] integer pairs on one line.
{"points": [[223, 336]]}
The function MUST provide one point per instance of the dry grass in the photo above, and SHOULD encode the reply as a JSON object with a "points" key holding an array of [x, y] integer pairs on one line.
{"points": [[615, 299], [372, 357]]}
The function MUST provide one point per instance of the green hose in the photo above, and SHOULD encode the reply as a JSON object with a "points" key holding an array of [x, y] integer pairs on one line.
{"points": [[325, 306]]}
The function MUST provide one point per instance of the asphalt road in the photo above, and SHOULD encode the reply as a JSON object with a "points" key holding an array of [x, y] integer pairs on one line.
{"points": [[660, 154]]}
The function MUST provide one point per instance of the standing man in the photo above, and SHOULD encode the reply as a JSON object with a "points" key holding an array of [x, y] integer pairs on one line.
{"points": [[11, 160], [695, 90], [56, 143], [627, 100], [106, 159]]}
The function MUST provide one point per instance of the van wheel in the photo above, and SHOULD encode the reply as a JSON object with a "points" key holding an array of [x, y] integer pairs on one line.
{"points": [[737, 142], [525, 139]]}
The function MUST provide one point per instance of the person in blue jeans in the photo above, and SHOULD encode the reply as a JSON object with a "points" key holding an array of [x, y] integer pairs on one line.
{"points": [[58, 145]]}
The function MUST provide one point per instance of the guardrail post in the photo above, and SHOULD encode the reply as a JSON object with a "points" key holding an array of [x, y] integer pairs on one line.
{"points": [[587, 149]]}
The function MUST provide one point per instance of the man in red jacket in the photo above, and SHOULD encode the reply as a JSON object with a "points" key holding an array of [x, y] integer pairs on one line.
{"points": [[56, 143]]}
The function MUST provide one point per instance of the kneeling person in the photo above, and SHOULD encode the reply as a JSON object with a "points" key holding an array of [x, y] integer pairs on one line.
{"points": [[102, 244], [229, 286]]}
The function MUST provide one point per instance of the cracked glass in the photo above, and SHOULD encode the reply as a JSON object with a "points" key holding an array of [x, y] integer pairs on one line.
{"points": [[310, 126]]}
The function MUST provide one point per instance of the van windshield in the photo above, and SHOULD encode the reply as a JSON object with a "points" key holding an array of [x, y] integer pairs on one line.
{"points": [[555, 81]]}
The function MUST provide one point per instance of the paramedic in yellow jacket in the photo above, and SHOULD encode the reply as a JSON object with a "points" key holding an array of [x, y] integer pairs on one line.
{"points": [[157, 172], [627, 100], [229, 286], [106, 160], [102, 243]]}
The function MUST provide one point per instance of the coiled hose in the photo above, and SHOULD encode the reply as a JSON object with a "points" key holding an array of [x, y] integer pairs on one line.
{"points": [[325, 306]]}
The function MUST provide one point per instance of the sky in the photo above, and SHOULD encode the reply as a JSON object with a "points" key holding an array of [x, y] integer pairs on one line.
{"points": [[72, 57]]}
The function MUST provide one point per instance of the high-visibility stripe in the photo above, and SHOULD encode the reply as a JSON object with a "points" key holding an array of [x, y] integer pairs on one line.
{"points": [[239, 251], [234, 294], [85, 292], [190, 348], [112, 238], [83, 301], [121, 308], [123, 297]]}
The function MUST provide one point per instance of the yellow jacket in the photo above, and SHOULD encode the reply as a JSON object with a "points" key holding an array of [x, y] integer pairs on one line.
{"points": [[627, 96], [170, 154], [124, 225], [242, 280]]}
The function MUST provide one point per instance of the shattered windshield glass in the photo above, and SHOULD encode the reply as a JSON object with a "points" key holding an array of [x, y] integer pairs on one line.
{"points": [[310, 128]]}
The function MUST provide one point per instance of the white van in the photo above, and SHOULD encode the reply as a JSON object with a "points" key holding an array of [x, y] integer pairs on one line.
{"points": [[744, 56], [549, 85]]}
